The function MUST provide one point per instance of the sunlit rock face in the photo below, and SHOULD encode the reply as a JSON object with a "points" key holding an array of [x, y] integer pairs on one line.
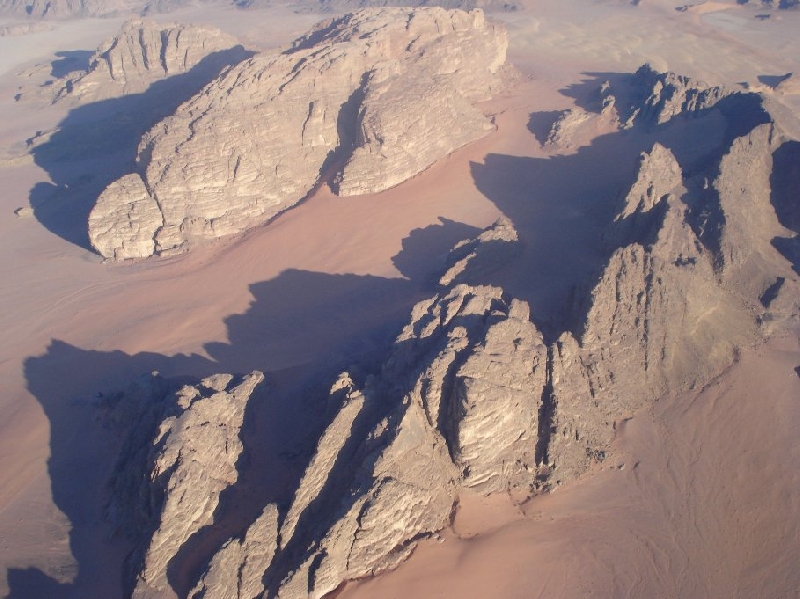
{"points": [[363, 102]]}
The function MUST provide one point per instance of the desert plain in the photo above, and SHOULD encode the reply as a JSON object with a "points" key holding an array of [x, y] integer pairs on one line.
{"points": [[701, 495]]}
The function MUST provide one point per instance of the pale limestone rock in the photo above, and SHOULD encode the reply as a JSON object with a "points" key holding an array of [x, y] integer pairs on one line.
{"points": [[121, 230], [342, 105]]}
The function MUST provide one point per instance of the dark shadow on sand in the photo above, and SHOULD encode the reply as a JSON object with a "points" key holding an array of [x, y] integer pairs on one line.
{"points": [[785, 198], [70, 61]]}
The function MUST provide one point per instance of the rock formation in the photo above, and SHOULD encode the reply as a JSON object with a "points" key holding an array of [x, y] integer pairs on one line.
{"points": [[363, 102], [471, 396], [191, 459], [140, 54]]}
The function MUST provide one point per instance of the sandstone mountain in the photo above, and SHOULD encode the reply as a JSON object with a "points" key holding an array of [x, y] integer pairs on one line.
{"points": [[363, 102], [471, 395], [142, 53]]}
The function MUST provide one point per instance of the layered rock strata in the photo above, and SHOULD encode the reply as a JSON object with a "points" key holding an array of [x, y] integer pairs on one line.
{"points": [[364, 101]]}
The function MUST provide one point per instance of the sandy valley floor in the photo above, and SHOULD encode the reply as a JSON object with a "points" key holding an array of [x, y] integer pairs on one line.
{"points": [[704, 496]]}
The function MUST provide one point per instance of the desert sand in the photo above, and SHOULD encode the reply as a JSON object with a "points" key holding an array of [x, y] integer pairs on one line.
{"points": [[701, 500]]}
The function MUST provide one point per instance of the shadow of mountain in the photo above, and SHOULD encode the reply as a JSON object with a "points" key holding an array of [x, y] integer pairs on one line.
{"points": [[70, 61], [785, 198], [96, 144], [773, 80], [301, 329], [540, 123], [425, 251], [563, 205]]}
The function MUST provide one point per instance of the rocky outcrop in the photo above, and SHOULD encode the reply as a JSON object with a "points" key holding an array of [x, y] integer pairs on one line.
{"points": [[142, 53], [471, 396], [455, 405], [565, 126], [364, 102], [683, 289], [184, 468], [658, 97], [237, 569]]}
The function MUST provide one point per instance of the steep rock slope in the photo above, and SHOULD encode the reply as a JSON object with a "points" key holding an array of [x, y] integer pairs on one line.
{"points": [[364, 101], [179, 472]]}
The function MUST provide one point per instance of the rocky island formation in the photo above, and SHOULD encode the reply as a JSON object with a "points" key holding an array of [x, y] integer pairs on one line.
{"points": [[473, 396], [363, 102]]}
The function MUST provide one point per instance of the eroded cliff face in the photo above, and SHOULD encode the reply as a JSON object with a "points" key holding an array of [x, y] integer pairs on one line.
{"points": [[472, 396], [363, 102], [142, 53], [177, 475]]}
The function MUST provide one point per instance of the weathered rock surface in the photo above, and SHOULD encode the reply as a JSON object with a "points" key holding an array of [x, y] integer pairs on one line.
{"points": [[682, 292], [122, 231], [190, 461], [658, 97], [237, 569], [365, 102], [564, 128], [142, 53], [470, 396]]}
